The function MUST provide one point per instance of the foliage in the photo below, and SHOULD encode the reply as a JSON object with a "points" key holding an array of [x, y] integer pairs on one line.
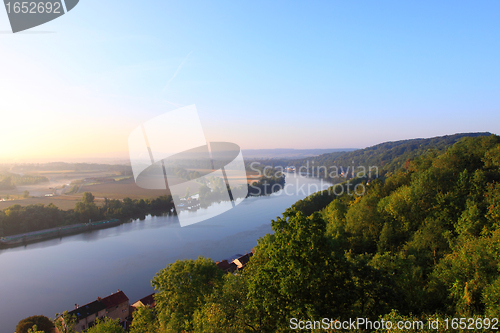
{"points": [[106, 326], [34, 329], [6, 183], [388, 156], [270, 181], [182, 288], [41, 323], [422, 243], [11, 180], [18, 219], [65, 323], [144, 321]]}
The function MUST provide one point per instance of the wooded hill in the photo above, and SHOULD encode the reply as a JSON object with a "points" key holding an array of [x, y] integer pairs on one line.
{"points": [[387, 156], [421, 244]]}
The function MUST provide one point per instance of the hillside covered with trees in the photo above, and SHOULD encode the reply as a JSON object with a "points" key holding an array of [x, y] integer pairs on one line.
{"points": [[387, 156], [423, 243]]}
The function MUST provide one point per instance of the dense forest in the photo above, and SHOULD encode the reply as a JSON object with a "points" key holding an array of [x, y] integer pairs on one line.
{"points": [[387, 156], [422, 244]]}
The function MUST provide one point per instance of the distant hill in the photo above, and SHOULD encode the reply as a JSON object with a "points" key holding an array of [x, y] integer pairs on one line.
{"points": [[284, 153], [387, 156]]}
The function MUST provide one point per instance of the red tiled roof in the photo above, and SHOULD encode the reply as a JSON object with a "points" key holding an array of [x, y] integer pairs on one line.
{"points": [[114, 299], [226, 266], [223, 265], [148, 300]]}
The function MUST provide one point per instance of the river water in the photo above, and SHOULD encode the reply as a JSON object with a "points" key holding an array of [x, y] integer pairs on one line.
{"points": [[51, 276]]}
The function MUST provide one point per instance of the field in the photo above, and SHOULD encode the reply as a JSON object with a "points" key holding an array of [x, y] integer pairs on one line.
{"points": [[101, 184], [120, 189], [63, 202]]}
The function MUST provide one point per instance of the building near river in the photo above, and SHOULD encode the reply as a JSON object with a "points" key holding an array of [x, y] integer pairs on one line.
{"points": [[148, 301], [117, 306], [87, 314], [114, 306]]}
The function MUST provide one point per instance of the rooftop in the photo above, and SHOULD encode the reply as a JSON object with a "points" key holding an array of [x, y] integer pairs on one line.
{"points": [[114, 299], [87, 309]]}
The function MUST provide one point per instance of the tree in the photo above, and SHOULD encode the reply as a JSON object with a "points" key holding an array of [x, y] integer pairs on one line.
{"points": [[34, 329], [87, 208], [296, 273], [227, 309], [26, 194], [204, 191], [106, 326], [144, 321], [183, 287], [65, 323], [88, 198], [6, 184], [43, 324]]}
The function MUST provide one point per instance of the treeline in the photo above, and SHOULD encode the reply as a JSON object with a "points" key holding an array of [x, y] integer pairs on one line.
{"points": [[182, 173], [422, 244], [271, 180], [9, 181], [17, 219], [218, 190], [387, 157]]}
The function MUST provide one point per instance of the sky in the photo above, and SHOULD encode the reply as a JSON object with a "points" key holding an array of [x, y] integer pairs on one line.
{"points": [[262, 74]]}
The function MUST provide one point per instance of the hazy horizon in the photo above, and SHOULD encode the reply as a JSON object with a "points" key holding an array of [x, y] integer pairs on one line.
{"points": [[123, 157]]}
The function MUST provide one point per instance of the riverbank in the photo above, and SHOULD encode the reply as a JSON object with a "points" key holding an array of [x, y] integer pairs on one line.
{"points": [[45, 234]]}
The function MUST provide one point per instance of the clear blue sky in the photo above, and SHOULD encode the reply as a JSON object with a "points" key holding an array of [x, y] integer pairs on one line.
{"points": [[263, 74]]}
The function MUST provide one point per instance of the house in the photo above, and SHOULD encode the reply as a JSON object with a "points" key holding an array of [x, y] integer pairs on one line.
{"points": [[147, 301], [87, 314], [117, 306], [235, 263], [226, 266], [242, 261], [114, 306]]}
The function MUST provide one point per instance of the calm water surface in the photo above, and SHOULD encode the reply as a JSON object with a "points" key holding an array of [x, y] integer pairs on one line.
{"points": [[51, 276]]}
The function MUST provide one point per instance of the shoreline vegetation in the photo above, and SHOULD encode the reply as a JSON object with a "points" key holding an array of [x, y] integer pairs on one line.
{"points": [[18, 223]]}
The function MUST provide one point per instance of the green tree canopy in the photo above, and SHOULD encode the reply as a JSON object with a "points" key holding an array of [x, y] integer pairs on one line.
{"points": [[182, 288], [107, 326], [43, 324]]}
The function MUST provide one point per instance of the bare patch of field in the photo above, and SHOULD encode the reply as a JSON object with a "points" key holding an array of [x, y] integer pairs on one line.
{"points": [[62, 202], [128, 188]]}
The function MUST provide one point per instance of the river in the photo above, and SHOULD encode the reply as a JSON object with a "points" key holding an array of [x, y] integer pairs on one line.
{"points": [[52, 276]]}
